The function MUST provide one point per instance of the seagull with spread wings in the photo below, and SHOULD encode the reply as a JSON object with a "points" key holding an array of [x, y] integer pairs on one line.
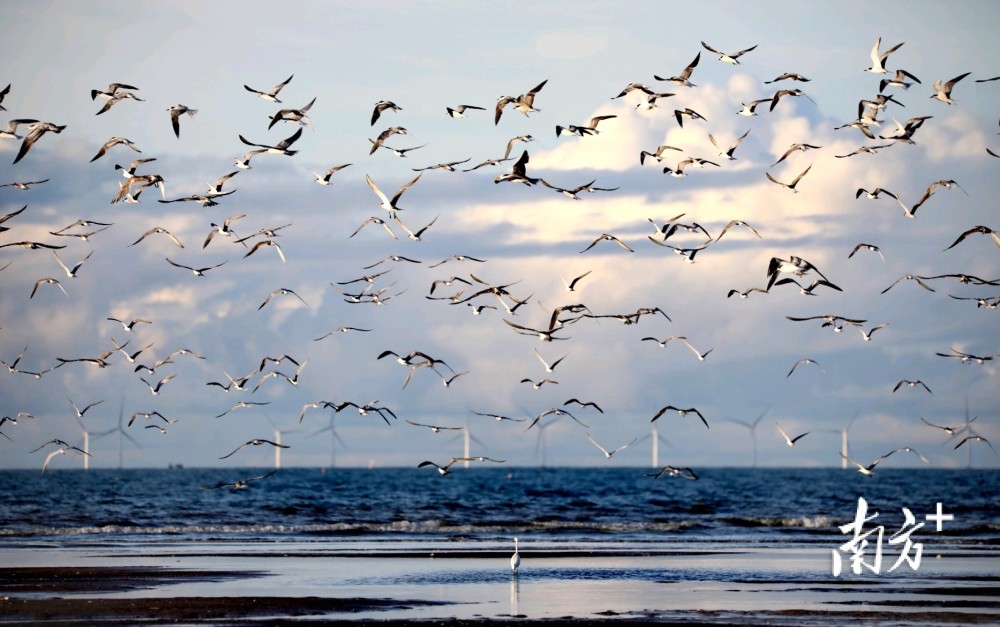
{"points": [[255, 442], [790, 441], [731, 58], [271, 95]]}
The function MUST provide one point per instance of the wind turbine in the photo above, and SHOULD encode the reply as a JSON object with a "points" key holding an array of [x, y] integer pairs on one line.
{"points": [[277, 440], [467, 440], [843, 441], [752, 426], [966, 429], [540, 440], [334, 438], [86, 444], [654, 434], [122, 435]]}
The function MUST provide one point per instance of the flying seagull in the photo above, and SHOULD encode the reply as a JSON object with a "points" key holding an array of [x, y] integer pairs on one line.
{"points": [[518, 172], [728, 152], [255, 442], [240, 484], [383, 105], [801, 362], [794, 182], [683, 79], [443, 470], [608, 454], [878, 60], [111, 143], [681, 412], [459, 110], [176, 112], [281, 148], [36, 131], [790, 441], [943, 92], [525, 103], [606, 237], [732, 57], [984, 230], [195, 271], [911, 384], [390, 204], [270, 95]]}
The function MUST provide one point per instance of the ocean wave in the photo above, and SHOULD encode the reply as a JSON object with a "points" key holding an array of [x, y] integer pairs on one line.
{"points": [[807, 523], [402, 527]]}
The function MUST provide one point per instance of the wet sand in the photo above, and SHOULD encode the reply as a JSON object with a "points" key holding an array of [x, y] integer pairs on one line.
{"points": [[270, 583]]}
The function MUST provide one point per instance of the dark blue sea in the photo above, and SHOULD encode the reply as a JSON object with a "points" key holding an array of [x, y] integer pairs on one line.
{"points": [[725, 507]]}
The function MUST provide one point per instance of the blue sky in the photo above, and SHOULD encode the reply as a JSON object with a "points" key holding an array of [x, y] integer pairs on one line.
{"points": [[428, 56]]}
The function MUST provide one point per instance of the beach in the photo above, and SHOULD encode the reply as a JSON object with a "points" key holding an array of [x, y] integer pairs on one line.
{"points": [[238, 583]]}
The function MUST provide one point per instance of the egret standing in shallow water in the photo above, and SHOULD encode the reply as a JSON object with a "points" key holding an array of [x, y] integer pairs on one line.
{"points": [[515, 559]]}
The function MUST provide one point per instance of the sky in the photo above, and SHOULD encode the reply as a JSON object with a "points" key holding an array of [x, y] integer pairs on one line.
{"points": [[424, 57]]}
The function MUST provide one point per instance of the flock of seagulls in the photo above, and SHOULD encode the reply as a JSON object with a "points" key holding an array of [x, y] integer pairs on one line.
{"points": [[508, 301]]}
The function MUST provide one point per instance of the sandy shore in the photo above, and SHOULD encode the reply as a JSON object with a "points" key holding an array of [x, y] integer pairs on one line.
{"points": [[265, 586]]}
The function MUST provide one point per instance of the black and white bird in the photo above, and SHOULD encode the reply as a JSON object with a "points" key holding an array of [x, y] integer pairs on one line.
{"points": [[675, 471], [122, 95], [196, 271], [458, 111], [794, 182], [36, 130], [731, 57], [681, 412], [982, 230], [656, 154], [271, 95], [788, 76], [176, 112], [324, 178], [684, 78], [588, 129], [255, 442], [807, 290], [281, 148], [388, 204], [47, 281], [113, 90], [525, 103], [878, 59], [155, 389], [790, 441], [942, 91], [111, 143], [293, 116], [911, 384], [749, 109], [793, 265], [381, 106], [727, 153], [609, 454], [792, 149], [687, 113], [803, 362], [443, 470], [10, 132], [781, 93], [518, 173], [607, 237]]}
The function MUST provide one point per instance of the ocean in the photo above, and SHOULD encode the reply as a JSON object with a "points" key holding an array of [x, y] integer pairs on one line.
{"points": [[568, 507]]}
